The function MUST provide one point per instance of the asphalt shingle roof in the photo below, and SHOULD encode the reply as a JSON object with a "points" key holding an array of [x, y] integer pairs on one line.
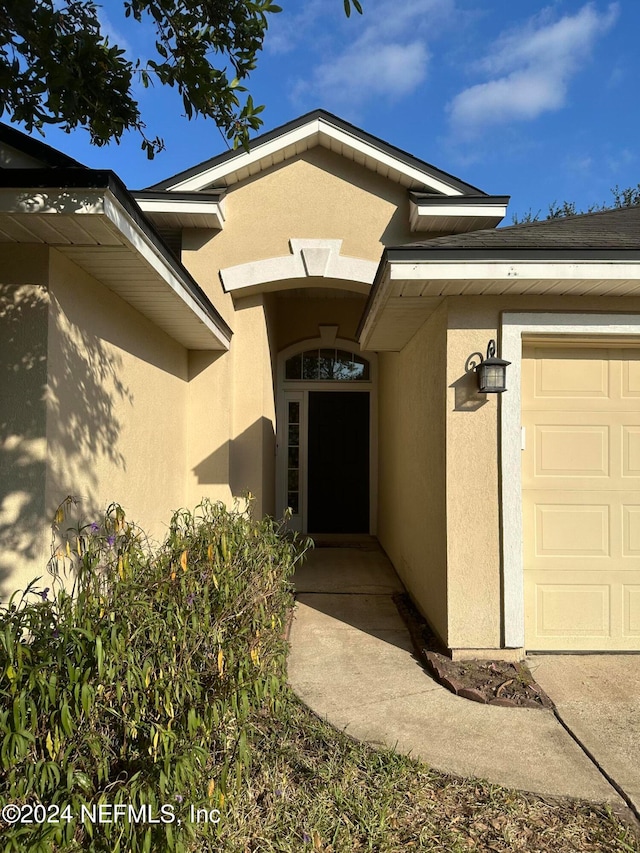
{"points": [[609, 229]]}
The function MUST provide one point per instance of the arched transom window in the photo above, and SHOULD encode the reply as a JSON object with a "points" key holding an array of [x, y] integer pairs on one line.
{"points": [[327, 365]]}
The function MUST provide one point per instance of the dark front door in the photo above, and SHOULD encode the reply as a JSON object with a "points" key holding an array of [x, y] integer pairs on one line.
{"points": [[338, 462]]}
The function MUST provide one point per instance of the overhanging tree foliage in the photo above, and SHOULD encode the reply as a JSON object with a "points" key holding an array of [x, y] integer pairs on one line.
{"points": [[58, 68]]}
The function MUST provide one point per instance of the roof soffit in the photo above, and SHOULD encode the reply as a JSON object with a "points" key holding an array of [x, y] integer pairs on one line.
{"points": [[328, 131], [94, 221]]}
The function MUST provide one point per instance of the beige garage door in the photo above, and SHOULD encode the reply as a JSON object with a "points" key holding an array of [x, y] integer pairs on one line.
{"points": [[581, 497]]}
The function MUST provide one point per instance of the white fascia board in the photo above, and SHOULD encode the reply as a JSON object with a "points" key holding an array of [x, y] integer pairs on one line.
{"points": [[134, 235], [489, 211], [208, 208], [217, 174], [376, 308], [513, 270], [388, 160]]}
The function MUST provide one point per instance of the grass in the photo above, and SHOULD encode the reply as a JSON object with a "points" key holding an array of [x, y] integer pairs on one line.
{"points": [[313, 788]]}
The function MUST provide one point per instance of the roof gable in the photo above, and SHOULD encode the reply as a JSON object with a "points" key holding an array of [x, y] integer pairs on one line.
{"points": [[318, 128]]}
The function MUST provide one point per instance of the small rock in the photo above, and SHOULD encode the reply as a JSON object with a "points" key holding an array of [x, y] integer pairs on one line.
{"points": [[503, 702], [433, 664], [470, 693], [530, 703], [451, 684]]}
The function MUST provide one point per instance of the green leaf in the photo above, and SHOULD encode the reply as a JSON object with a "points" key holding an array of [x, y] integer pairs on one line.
{"points": [[99, 656], [65, 719]]}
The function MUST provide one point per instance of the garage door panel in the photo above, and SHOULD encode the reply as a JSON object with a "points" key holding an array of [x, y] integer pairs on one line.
{"points": [[572, 530], [608, 381], [631, 531], [571, 450], [630, 451], [630, 375], [598, 613], [581, 528], [571, 373], [581, 497], [631, 611], [567, 610]]}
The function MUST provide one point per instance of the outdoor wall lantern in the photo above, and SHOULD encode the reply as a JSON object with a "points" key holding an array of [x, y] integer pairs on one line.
{"points": [[492, 372]]}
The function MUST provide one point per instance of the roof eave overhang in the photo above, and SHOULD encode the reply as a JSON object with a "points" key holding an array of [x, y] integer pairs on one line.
{"points": [[455, 215], [183, 210], [93, 222], [408, 289]]}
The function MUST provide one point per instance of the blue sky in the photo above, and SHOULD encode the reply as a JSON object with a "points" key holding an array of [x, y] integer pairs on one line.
{"points": [[539, 101]]}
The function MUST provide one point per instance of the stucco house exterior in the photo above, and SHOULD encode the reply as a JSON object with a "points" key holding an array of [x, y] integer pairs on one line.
{"points": [[300, 321]]}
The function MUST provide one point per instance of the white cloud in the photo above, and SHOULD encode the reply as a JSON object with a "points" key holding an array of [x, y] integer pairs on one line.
{"points": [[286, 29], [113, 33], [389, 58], [532, 67], [362, 73]]}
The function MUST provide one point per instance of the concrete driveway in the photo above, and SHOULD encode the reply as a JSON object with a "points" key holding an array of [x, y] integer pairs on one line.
{"points": [[598, 698]]}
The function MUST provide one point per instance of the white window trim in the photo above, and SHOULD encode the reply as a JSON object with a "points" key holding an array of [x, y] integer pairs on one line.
{"points": [[514, 328]]}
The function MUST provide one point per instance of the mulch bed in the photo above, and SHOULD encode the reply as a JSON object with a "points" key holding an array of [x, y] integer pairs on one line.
{"points": [[489, 682]]}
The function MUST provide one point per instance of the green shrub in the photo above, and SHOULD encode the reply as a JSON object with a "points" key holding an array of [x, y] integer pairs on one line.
{"points": [[137, 685]]}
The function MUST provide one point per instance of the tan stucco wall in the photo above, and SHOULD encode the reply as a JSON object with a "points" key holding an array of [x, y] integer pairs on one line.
{"points": [[298, 318], [472, 482], [439, 498], [117, 404], [23, 377], [209, 427], [317, 195], [412, 442], [252, 446]]}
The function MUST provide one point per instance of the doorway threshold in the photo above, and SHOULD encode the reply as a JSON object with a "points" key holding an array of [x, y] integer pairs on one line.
{"points": [[344, 540]]}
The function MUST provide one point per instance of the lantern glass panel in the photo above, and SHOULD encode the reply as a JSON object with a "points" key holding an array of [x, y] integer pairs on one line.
{"points": [[492, 378]]}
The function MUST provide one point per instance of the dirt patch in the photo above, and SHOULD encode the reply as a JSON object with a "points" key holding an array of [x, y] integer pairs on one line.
{"points": [[489, 682]]}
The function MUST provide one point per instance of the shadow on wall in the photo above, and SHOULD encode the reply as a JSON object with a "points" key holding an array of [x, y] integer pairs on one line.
{"points": [[243, 463], [23, 371], [467, 396], [52, 428]]}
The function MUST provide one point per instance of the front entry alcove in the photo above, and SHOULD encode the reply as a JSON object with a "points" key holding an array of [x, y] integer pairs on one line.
{"points": [[326, 436]]}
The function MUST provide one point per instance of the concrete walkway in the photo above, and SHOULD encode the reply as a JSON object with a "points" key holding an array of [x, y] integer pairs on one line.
{"points": [[351, 662]]}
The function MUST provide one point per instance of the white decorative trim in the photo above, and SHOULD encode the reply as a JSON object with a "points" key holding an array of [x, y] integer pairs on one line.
{"points": [[328, 335], [309, 258], [516, 326], [310, 133]]}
